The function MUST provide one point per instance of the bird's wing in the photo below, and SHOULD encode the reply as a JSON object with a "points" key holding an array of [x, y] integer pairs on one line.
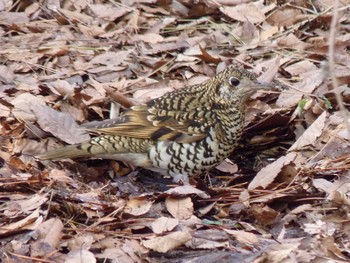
{"points": [[157, 124]]}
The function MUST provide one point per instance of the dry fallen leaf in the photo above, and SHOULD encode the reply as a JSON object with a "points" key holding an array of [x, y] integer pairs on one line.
{"points": [[186, 190], [31, 222], [168, 242], [267, 174], [138, 206], [310, 81], [243, 237], [59, 124], [164, 224], [227, 166], [50, 233], [244, 12], [180, 208], [80, 255], [311, 134]]}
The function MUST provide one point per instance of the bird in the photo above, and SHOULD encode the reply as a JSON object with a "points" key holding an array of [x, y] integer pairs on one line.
{"points": [[180, 134]]}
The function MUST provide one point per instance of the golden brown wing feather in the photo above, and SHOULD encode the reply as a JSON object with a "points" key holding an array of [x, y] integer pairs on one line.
{"points": [[145, 122]]}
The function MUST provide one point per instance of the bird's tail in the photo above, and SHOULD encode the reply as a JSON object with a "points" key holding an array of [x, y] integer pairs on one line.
{"points": [[70, 151], [97, 146]]}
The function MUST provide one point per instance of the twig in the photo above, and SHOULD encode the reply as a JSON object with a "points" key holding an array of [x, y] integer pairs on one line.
{"points": [[32, 258], [331, 57], [119, 97]]}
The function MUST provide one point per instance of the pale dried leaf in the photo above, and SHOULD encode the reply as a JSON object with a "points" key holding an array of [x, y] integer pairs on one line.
{"points": [[243, 237], [30, 222], [50, 233], [64, 88], [80, 255], [115, 254], [186, 190], [76, 16], [271, 72], [310, 81], [164, 224], [300, 67], [151, 38], [8, 18], [6, 74], [145, 95], [81, 241], [59, 124], [310, 136], [108, 12], [227, 166], [166, 243], [245, 12], [61, 176], [268, 32], [138, 206], [267, 174], [323, 185], [111, 58], [4, 111], [26, 204], [22, 106], [244, 197], [280, 252], [207, 243], [180, 208], [285, 17], [291, 41]]}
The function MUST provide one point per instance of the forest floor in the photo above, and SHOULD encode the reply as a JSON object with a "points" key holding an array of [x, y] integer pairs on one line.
{"points": [[283, 196]]}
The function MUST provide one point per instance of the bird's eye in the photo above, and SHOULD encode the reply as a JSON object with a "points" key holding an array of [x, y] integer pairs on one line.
{"points": [[234, 81]]}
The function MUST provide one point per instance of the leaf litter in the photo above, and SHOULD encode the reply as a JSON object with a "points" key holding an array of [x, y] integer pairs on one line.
{"points": [[283, 196]]}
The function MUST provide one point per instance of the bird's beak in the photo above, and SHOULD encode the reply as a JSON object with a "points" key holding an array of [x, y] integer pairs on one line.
{"points": [[254, 85]]}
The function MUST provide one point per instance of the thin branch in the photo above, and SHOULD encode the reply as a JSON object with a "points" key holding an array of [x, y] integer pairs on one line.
{"points": [[331, 57]]}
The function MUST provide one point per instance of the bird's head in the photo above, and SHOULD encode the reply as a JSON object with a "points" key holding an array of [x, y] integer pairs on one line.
{"points": [[235, 85]]}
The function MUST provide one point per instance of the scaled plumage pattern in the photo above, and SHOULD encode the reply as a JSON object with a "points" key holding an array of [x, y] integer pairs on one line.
{"points": [[181, 134]]}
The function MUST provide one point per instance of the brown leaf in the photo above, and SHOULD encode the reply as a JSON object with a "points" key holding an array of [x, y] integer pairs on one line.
{"points": [[227, 166], [22, 106], [164, 224], [166, 243], [6, 74], [311, 134], [180, 208], [310, 80], [271, 72], [145, 95], [267, 174], [80, 255], [59, 124], [300, 67], [151, 38], [208, 239], [206, 57], [111, 58], [138, 206], [264, 214], [8, 18], [291, 41], [285, 17], [31, 222], [244, 237], [75, 16], [50, 233], [186, 190], [245, 12], [108, 12]]}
